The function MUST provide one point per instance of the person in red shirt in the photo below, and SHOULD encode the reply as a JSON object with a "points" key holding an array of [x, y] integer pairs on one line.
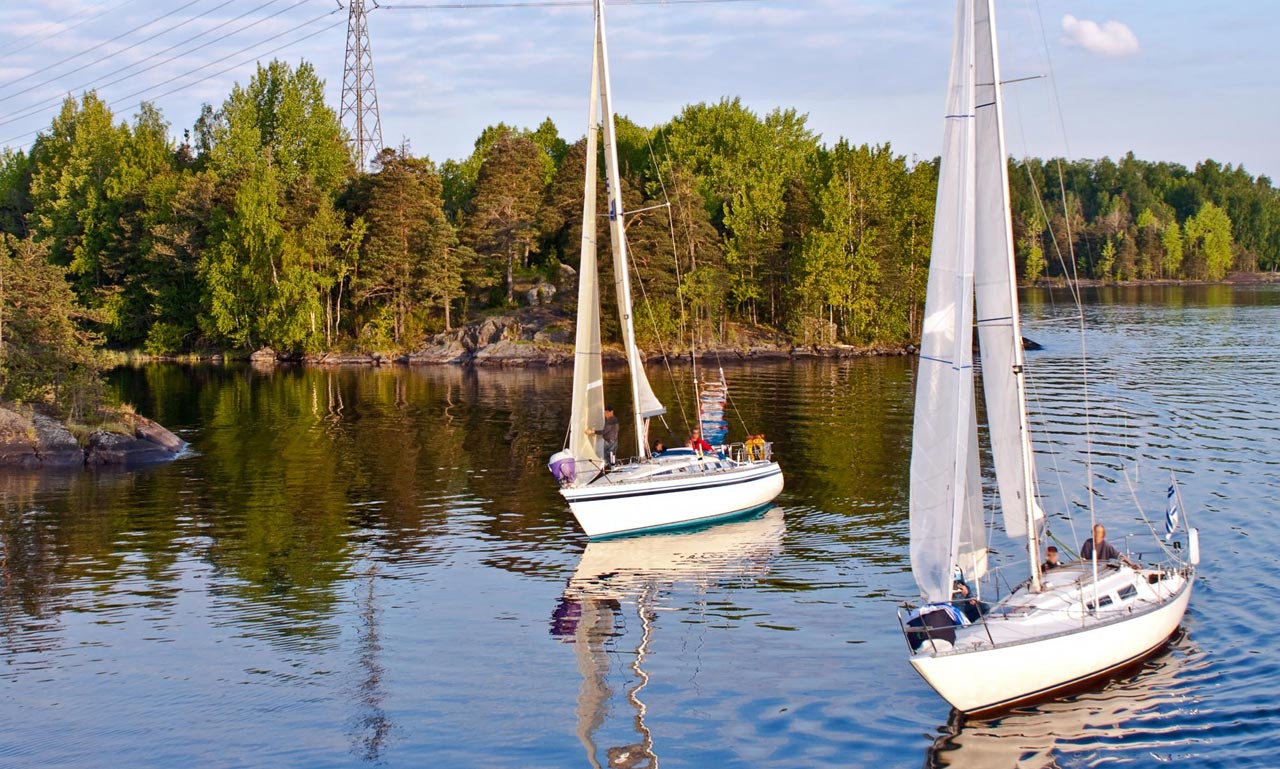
{"points": [[697, 444]]}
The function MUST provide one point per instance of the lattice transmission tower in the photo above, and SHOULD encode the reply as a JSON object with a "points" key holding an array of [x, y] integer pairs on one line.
{"points": [[359, 97]]}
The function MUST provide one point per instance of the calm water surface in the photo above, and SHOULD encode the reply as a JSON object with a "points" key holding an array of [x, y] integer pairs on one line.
{"points": [[372, 567]]}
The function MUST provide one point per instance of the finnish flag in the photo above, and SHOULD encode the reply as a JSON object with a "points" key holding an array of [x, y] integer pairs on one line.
{"points": [[1171, 513]]}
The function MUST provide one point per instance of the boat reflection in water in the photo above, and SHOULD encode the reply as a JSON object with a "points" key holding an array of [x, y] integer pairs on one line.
{"points": [[620, 579], [1129, 714]]}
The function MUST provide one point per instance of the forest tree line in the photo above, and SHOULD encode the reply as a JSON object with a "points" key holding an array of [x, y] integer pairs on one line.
{"points": [[256, 229]]}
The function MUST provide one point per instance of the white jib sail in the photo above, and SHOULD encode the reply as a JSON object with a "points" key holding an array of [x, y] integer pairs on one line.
{"points": [[995, 281], [946, 510], [646, 403], [587, 411]]}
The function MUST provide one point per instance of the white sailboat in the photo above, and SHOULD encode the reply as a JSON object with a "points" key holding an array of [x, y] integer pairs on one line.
{"points": [[678, 487], [1057, 628]]}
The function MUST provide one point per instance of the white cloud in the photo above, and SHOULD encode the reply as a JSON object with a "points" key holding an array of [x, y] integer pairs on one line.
{"points": [[1111, 38]]}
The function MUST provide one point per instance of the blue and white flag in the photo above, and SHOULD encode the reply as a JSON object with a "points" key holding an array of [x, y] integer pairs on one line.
{"points": [[1171, 512]]}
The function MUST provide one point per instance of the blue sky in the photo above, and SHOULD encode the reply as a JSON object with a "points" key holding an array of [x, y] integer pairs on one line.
{"points": [[1177, 80]]}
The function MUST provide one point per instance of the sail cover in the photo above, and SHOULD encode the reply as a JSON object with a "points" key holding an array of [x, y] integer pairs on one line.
{"points": [[946, 510], [587, 410], [996, 303]]}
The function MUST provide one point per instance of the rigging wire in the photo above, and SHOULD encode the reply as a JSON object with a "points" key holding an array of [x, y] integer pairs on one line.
{"points": [[98, 83]]}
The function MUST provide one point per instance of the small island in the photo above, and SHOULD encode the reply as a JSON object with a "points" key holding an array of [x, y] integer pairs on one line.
{"points": [[30, 439]]}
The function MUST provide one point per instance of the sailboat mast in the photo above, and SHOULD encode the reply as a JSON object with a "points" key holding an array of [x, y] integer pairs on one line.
{"points": [[1017, 361], [617, 226]]}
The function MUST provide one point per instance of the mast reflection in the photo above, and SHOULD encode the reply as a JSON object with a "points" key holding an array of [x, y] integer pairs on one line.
{"points": [[615, 578]]}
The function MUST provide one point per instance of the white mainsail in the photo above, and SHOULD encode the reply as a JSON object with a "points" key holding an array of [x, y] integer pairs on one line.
{"points": [[995, 283], [946, 497], [587, 410], [646, 403]]}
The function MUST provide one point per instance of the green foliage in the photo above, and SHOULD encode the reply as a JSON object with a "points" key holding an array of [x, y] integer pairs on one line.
{"points": [[409, 256], [1208, 237], [500, 224], [46, 354], [256, 229]]}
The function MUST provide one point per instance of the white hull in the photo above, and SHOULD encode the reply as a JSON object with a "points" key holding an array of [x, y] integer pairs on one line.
{"points": [[635, 498], [1015, 655]]}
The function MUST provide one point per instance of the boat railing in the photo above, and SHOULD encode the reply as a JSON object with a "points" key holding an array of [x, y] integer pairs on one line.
{"points": [[750, 450], [996, 584]]}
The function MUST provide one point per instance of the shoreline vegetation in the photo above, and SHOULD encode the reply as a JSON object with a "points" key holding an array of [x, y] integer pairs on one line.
{"points": [[532, 338], [253, 233]]}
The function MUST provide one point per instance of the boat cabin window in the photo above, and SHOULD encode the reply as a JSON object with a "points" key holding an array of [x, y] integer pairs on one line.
{"points": [[1103, 603], [1127, 592]]}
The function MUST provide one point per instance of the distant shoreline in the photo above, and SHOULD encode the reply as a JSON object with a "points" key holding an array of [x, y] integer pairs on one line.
{"points": [[540, 339]]}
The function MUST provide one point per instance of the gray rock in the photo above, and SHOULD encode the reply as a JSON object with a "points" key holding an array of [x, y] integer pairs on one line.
{"points": [[146, 430], [55, 445], [17, 440], [116, 449]]}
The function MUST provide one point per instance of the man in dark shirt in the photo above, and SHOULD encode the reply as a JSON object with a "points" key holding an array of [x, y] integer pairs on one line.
{"points": [[1050, 559], [1100, 545], [610, 434]]}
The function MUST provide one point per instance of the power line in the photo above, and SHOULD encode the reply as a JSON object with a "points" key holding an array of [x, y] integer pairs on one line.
{"points": [[99, 82], [537, 4], [219, 60], [105, 42], [63, 30], [101, 59]]}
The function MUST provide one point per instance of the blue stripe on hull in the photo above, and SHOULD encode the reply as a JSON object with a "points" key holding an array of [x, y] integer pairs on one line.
{"points": [[687, 526], [689, 487]]}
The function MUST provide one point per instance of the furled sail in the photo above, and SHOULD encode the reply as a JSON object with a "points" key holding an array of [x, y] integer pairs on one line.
{"points": [[646, 403], [946, 510], [587, 410], [996, 300]]}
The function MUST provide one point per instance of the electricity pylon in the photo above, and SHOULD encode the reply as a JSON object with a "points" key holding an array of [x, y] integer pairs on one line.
{"points": [[359, 97]]}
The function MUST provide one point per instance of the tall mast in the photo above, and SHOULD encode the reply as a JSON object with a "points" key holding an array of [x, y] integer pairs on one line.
{"points": [[998, 315], [645, 403]]}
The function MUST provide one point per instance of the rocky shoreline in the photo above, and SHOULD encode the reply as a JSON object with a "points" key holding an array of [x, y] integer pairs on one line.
{"points": [[541, 336], [546, 340], [31, 440]]}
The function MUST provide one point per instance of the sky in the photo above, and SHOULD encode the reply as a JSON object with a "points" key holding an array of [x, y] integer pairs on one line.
{"points": [[1177, 80]]}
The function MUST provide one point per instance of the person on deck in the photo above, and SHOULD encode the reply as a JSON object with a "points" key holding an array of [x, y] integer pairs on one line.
{"points": [[1105, 550], [697, 443], [609, 434], [960, 598], [1050, 559]]}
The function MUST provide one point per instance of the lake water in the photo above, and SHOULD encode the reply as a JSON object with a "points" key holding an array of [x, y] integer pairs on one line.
{"points": [[372, 567]]}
